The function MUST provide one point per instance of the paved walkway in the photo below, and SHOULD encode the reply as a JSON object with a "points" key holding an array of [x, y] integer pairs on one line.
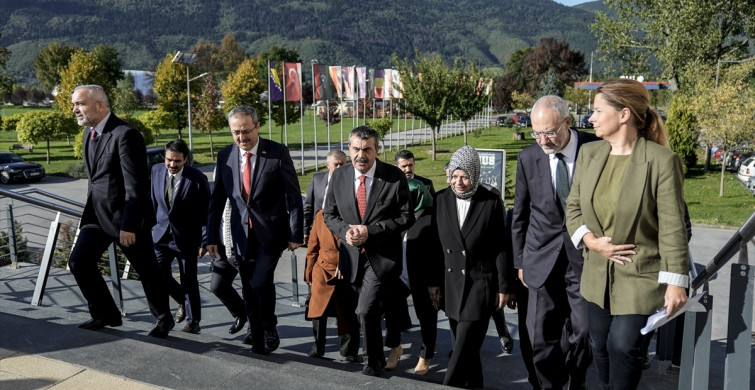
{"points": [[41, 347]]}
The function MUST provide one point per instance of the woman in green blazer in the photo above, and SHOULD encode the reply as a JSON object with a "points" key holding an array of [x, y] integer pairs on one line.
{"points": [[626, 210]]}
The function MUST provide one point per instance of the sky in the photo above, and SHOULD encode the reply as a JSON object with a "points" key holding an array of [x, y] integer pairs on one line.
{"points": [[571, 2]]}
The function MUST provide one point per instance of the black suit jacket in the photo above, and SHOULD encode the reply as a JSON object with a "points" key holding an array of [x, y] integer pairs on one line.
{"points": [[187, 218], [388, 214], [118, 192], [313, 201], [424, 255], [275, 204], [476, 269], [538, 227]]}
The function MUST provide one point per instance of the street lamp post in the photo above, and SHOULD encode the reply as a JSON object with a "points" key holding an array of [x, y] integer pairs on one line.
{"points": [[188, 59]]}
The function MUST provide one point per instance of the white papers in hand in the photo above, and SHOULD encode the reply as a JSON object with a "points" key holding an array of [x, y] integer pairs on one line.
{"points": [[660, 318]]}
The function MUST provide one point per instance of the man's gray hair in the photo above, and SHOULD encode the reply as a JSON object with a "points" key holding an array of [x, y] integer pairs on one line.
{"points": [[553, 103], [337, 154], [244, 110], [96, 92]]}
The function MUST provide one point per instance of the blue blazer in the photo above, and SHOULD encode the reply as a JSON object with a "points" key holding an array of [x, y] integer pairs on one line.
{"points": [[275, 204], [186, 219]]}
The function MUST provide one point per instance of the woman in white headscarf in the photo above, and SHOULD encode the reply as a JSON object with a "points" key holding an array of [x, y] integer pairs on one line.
{"points": [[470, 221]]}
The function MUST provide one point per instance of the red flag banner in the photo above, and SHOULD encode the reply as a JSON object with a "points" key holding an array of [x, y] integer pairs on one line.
{"points": [[293, 81], [335, 76]]}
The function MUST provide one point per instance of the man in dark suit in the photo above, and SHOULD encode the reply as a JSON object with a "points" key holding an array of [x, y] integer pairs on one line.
{"points": [[117, 209], [180, 196], [547, 261], [258, 177], [405, 162], [367, 207], [316, 190]]}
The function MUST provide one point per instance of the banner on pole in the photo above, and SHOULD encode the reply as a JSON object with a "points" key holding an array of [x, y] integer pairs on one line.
{"points": [[293, 81], [276, 92]]}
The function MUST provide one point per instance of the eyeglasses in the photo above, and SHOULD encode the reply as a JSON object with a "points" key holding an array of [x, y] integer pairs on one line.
{"points": [[237, 133], [549, 134]]}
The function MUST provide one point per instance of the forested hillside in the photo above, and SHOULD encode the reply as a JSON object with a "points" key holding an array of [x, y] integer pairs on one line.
{"points": [[334, 32]]}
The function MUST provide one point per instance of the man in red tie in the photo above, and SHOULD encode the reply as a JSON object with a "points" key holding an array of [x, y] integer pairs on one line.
{"points": [[367, 207], [258, 177]]}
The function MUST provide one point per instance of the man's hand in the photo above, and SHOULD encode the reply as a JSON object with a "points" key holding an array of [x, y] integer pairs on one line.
{"points": [[306, 238], [434, 296], [616, 253], [293, 245], [338, 275], [356, 235], [127, 239], [213, 251], [202, 251], [521, 278]]}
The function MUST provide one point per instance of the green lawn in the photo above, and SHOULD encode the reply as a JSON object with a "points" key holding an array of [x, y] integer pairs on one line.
{"points": [[701, 190]]}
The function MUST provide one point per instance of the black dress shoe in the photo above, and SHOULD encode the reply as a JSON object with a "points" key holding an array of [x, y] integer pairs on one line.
{"points": [[272, 341], [192, 327], [97, 324], [260, 350], [316, 352], [248, 340], [371, 371], [180, 314], [351, 359], [507, 344], [238, 324], [162, 328]]}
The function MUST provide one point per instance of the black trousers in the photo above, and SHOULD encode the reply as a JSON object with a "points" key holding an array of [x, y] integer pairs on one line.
{"points": [[525, 346], [372, 293], [186, 292], [558, 328], [257, 271], [343, 304], [221, 284], [616, 344], [85, 256], [465, 365], [423, 308]]}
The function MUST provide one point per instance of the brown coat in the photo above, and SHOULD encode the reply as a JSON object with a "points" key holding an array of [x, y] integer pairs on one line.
{"points": [[322, 263]]}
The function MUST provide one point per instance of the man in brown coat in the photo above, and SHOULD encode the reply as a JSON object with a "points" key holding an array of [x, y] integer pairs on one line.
{"points": [[330, 293]]}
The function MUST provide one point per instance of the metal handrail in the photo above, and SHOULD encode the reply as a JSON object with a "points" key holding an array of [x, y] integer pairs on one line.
{"points": [[743, 235]]}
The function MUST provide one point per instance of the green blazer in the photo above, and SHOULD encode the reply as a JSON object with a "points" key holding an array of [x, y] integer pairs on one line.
{"points": [[649, 214]]}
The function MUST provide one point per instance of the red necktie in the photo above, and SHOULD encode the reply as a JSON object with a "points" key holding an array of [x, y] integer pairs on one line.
{"points": [[92, 146], [248, 180], [362, 196]]}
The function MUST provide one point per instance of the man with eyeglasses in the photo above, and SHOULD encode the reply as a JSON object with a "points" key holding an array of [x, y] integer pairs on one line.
{"points": [[548, 264], [258, 177]]}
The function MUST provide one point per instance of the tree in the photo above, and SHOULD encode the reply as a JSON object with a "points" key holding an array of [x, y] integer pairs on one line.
{"points": [[678, 33], [6, 82], [682, 130], [170, 89], [428, 86], [243, 88], [36, 126], [724, 112], [50, 62], [219, 61], [522, 101], [469, 97], [206, 113], [107, 57], [123, 99], [549, 85], [567, 66], [85, 68], [382, 126], [10, 122], [158, 120]]}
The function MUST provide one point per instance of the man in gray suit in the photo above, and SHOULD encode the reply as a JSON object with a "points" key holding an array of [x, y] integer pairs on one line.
{"points": [[318, 185], [549, 265]]}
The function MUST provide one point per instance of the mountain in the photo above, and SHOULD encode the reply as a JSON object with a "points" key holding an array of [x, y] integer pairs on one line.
{"points": [[335, 32]]}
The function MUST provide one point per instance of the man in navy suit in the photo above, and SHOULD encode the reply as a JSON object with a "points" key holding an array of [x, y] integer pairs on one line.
{"points": [[316, 190], [549, 265], [180, 197], [258, 177], [117, 209]]}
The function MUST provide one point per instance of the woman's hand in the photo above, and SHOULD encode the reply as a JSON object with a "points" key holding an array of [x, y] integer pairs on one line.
{"points": [[674, 299], [616, 253]]}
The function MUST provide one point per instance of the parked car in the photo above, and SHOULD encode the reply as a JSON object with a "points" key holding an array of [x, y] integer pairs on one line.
{"points": [[524, 121], [586, 121], [747, 169], [751, 185], [734, 160], [155, 155], [13, 168], [501, 121]]}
